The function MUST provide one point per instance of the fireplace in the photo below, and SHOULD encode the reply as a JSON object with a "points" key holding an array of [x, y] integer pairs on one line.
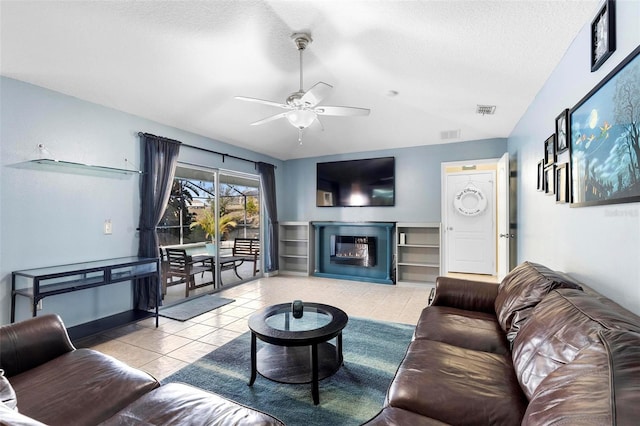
{"points": [[353, 250], [359, 251]]}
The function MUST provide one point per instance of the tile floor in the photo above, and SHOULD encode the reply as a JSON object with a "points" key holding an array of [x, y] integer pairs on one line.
{"points": [[164, 350]]}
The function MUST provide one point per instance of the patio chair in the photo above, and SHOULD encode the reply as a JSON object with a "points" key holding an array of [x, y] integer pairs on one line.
{"points": [[180, 268], [249, 250]]}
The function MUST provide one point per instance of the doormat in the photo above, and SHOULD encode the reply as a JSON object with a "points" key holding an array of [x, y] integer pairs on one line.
{"points": [[193, 307]]}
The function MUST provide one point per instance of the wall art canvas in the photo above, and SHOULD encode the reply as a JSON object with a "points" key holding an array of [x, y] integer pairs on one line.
{"points": [[550, 150], [603, 34], [605, 139], [540, 186], [562, 184], [549, 180], [562, 132]]}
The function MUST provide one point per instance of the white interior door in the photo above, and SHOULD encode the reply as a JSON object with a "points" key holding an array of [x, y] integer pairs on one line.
{"points": [[503, 216], [470, 222]]}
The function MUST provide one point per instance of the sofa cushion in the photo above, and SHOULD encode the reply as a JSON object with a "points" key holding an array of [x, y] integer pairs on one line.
{"points": [[391, 416], [83, 385], [179, 404], [468, 329], [457, 385], [7, 394], [600, 386], [521, 290], [560, 327]]}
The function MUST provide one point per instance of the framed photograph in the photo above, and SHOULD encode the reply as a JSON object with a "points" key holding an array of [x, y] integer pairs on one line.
{"points": [[603, 34], [541, 175], [550, 150], [562, 184], [605, 139], [549, 179], [562, 132]]}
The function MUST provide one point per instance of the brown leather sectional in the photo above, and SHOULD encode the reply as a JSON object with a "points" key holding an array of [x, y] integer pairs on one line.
{"points": [[538, 349], [48, 381]]}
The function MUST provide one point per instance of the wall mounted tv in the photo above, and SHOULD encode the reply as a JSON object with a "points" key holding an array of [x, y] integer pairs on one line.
{"points": [[356, 183]]}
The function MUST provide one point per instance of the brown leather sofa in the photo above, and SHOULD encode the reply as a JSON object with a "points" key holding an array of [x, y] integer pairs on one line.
{"points": [[538, 349], [46, 380]]}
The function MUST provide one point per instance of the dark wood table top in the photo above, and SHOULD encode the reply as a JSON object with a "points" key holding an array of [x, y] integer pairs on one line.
{"points": [[328, 328], [208, 257]]}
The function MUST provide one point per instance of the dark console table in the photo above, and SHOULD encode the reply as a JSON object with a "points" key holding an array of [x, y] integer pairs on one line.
{"points": [[36, 284]]}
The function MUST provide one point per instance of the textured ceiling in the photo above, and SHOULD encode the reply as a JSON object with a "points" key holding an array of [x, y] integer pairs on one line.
{"points": [[181, 64]]}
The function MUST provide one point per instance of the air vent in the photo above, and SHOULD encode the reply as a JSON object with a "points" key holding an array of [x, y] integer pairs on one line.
{"points": [[486, 109], [450, 134]]}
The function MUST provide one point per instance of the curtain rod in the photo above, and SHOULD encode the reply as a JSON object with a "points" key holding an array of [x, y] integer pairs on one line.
{"points": [[222, 154]]}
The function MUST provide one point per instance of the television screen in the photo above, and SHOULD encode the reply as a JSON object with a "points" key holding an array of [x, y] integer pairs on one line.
{"points": [[356, 183]]}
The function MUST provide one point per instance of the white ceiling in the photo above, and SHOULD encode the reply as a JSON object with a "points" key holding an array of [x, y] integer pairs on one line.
{"points": [[181, 64]]}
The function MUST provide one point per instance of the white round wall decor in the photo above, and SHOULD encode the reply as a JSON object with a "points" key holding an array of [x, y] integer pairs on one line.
{"points": [[470, 201]]}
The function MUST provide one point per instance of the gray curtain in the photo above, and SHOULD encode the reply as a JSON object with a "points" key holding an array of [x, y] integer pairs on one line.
{"points": [[267, 173], [160, 156]]}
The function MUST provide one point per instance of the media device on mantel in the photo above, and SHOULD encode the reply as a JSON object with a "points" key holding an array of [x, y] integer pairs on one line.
{"points": [[356, 183]]}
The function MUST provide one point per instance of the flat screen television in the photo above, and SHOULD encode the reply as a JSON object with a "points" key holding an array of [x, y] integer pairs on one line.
{"points": [[356, 183]]}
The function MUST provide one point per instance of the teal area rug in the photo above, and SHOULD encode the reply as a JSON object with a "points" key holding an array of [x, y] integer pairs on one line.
{"points": [[193, 307], [372, 353]]}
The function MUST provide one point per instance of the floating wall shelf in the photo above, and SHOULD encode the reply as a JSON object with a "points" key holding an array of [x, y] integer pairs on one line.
{"points": [[80, 167]]}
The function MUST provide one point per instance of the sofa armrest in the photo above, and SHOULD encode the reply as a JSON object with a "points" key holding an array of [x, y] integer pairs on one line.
{"points": [[465, 294], [30, 343], [10, 417]]}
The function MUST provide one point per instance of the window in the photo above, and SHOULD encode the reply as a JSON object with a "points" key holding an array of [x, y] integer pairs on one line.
{"points": [[189, 217]]}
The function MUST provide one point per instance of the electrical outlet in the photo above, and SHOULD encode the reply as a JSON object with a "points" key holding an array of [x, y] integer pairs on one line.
{"points": [[39, 307], [108, 230]]}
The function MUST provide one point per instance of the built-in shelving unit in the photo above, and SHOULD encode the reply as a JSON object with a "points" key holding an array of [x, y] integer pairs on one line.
{"points": [[294, 253], [417, 253]]}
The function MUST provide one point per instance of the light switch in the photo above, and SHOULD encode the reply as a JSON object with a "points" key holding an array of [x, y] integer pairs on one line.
{"points": [[107, 227]]}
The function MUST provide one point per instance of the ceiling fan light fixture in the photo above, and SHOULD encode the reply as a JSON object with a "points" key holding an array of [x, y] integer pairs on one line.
{"points": [[303, 106], [301, 118]]}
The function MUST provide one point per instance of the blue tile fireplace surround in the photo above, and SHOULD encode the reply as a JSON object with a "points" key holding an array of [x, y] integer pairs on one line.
{"points": [[359, 251]]}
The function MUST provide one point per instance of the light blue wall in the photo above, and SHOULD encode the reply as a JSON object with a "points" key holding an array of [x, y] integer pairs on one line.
{"points": [[52, 217], [598, 245], [417, 183]]}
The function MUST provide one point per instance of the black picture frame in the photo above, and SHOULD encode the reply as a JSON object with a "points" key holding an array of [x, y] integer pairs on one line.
{"points": [[550, 150], [605, 141], [540, 186], [549, 179], [603, 34], [562, 184], [562, 132]]}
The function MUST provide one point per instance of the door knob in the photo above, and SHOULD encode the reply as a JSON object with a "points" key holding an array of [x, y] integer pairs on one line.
{"points": [[504, 235]]}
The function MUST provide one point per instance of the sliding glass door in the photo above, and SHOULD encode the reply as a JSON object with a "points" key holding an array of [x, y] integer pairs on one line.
{"points": [[208, 209]]}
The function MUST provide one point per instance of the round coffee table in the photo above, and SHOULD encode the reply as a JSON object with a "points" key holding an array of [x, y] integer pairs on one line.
{"points": [[298, 349]]}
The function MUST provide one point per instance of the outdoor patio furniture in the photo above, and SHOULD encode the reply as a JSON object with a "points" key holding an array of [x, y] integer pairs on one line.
{"points": [[249, 250], [180, 268]]}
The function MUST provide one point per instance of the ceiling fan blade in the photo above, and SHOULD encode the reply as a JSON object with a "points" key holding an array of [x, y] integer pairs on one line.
{"points": [[340, 110], [316, 94], [262, 101], [268, 119]]}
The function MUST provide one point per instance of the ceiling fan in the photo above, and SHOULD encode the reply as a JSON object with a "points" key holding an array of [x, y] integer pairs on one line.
{"points": [[302, 107]]}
